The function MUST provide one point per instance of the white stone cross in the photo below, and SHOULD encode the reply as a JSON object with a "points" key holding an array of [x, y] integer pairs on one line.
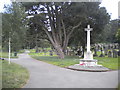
{"points": [[88, 29]]}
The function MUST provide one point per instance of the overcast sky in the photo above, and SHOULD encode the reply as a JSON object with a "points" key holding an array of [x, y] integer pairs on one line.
{"points": [[111, 6]]}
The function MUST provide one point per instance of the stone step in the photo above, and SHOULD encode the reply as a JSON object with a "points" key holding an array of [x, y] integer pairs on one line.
{"points": [[88, 68]]}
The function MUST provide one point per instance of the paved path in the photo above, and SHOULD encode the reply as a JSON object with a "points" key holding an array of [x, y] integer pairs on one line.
{"points": [[43, 75]]}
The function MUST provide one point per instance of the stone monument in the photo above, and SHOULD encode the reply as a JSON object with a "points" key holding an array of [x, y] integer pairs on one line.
{"points": [[88, 56], [88, 63]]}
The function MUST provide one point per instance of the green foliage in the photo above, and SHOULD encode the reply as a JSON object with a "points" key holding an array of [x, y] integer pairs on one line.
{"points": [[72, 14], [14, 26], [118, 36], [94, 15], [110, 30], [21, 51], [13, 75]]}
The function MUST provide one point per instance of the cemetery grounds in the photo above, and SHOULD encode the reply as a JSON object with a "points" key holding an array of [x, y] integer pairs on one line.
{"points": [[109, 62]]}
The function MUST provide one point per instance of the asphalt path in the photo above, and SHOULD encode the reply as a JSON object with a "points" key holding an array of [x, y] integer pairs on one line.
{"points": [[44, 75]]}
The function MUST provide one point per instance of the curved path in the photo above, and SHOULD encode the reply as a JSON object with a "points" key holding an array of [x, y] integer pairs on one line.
{"points": [[44, 75]]}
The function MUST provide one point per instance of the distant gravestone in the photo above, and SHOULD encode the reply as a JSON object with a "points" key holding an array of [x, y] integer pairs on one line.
{"points": [[44, 52], [106, 50], [119, 53], [99, 47], [101, 55], [109, 53], [51, 53], [95, 52], [78, 52], [115, 54]]}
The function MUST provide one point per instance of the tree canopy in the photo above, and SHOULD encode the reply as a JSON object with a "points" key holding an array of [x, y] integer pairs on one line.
{"points": [[64, 22], [14, 26]]}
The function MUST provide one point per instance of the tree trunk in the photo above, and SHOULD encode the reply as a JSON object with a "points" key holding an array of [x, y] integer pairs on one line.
{"points": [[59, 52], [36, 42], [55, 44]]}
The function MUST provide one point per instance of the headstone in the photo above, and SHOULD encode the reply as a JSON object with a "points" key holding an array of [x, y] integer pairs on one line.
{"points": [[115, 54], [51, 53], [102, 53], [78, 52], [106, 50], [95, 52], [99, 47], [119, 53], [44, 52], [82, 53], [109, 53]]}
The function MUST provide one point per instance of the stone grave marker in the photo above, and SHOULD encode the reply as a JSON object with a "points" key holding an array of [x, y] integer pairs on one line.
{"points": [[110, 53], [102, 52], [115, 54], [106, 49], [51, 53], [119, 53], [95, 52]]}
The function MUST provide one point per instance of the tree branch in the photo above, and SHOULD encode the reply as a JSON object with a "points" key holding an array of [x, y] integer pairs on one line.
{"points": [[74, 29]]}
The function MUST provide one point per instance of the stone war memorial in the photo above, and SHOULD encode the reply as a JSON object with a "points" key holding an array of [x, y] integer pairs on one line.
{"points": [[88, 63]]}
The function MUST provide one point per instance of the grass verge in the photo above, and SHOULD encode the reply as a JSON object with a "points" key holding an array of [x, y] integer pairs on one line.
{"points": [[13, 75], [5, 55], [109, 62]]}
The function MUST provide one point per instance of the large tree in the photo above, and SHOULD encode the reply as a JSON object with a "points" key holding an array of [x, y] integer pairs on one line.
{"points": [[14, 26], [60, 21]]}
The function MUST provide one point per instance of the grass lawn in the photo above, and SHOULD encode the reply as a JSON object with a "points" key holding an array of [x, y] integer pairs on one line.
{"points": [[21, 51], [111, 63], [5, 55], [13, 75]]}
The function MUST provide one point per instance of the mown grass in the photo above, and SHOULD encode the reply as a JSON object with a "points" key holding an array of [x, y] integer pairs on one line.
{"points": [[69, 60], [118, 87], [109, 62], [13, 75], [21, 51], [32, 51], [6, 55]]}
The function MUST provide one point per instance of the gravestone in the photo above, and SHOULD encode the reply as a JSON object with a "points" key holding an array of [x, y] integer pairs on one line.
{"points": [[119, 53], [44, 52], [109, 53], [106, 49], [51, 53], [115, 54], [95, 52], [102, 53], [78, 52]]}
